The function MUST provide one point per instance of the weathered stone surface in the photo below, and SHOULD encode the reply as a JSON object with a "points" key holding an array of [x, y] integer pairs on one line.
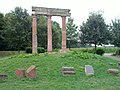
{"points": [[68, 71], [31, 72], [49, 44], [113, 71], [89, 70], [34, 33], [3, 76], [51, 11], [20, 73], [63, 33]]}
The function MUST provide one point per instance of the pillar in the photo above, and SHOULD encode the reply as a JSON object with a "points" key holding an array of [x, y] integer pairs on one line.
{"points": [[63, 33], [49, 43], [34, 34]]}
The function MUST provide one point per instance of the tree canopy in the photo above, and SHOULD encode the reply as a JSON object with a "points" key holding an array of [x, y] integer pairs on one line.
{"points": [[16, 30], [115, 32], [94, 30], [72, 33]]}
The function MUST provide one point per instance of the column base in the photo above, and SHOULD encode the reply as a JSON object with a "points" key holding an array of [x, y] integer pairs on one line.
{"points": [[64, 50]]}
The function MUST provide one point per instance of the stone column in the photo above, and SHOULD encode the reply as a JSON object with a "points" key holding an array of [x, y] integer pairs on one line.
{"points": [[49, 43], [63, 33], [34, 34]]}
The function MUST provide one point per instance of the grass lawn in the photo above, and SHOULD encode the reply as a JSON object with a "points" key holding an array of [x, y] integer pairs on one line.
{"points": [[50, 76]]}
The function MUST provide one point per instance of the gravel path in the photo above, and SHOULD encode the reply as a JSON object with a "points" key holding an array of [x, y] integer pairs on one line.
{"points": [[109, 55]]}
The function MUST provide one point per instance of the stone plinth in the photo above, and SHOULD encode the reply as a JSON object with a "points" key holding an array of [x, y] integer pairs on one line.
{"points": [[20, 73], [3, 76], [67, 71], [113, 71], [31, 72], [89, 70]]}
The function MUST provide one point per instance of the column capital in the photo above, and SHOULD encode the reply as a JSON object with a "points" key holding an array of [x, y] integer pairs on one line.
{"points": [[34, 15], [49, 16], [63, 16]]}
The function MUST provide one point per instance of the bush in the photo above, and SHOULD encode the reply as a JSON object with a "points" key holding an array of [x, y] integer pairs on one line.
{"points": [[110, 50], [89, 50], [117, 52], [40, 50], [80, 55], [100, 51], [28, 50], [56, 50]]}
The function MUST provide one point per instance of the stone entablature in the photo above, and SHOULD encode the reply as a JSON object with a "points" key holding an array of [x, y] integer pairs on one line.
{"points": [[51, 11]]}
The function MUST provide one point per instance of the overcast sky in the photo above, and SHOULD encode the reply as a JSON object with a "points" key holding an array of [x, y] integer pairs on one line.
{"points": [[79, 8]]}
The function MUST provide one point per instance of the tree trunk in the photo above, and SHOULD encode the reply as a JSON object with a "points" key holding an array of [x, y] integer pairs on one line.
{"points": [[19, 46], [18, 49], [95, 48]]}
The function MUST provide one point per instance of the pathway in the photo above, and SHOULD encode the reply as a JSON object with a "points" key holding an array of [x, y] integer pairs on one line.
{"points": [[109, 55]]}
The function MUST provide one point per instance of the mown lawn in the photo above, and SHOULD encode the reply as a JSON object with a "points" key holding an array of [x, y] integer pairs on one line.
{"points": [[50, 76]]}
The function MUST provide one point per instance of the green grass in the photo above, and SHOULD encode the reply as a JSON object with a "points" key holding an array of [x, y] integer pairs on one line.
{"points": [[8, 53], [50, 76], [91, 50]]}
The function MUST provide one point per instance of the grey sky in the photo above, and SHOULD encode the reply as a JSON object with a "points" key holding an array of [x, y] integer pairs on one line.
{"points": [[79, 8]]}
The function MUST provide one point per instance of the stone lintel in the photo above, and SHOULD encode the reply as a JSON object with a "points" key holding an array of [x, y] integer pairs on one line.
{"points": [[51, 11]]}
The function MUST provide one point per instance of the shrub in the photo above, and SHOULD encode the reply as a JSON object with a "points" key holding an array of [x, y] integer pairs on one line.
{"points": [[110, 49], [80, 55], [28, 50], [100, 51], [89, 50], [56, 50], [40, 50], [117, 52]]}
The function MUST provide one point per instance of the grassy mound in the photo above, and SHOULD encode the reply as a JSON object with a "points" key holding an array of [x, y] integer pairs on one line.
{"points": [[50, 76]]}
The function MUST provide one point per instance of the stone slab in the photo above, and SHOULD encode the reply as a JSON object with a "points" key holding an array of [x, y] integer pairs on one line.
{"points": [[3, 76], [67, 71], [67, 68], [20, 73], [113, 71], [31, 72], [51, 11], [89, 70]]}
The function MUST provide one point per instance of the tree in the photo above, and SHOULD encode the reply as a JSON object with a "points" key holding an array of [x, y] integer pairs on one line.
{"points": [[115, 32], [72, 34], [18, 29], [2, 31], [42, 33], [94, 31], [56, 35]]}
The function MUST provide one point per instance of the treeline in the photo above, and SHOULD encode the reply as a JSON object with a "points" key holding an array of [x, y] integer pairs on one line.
{"points": [[16, 31]]}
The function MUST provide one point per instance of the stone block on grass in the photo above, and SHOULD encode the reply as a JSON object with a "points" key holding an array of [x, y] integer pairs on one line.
{"points": [[3, 76], [31, 72], [20, 73], [113, 71], [89, 70], [68, 71]]}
